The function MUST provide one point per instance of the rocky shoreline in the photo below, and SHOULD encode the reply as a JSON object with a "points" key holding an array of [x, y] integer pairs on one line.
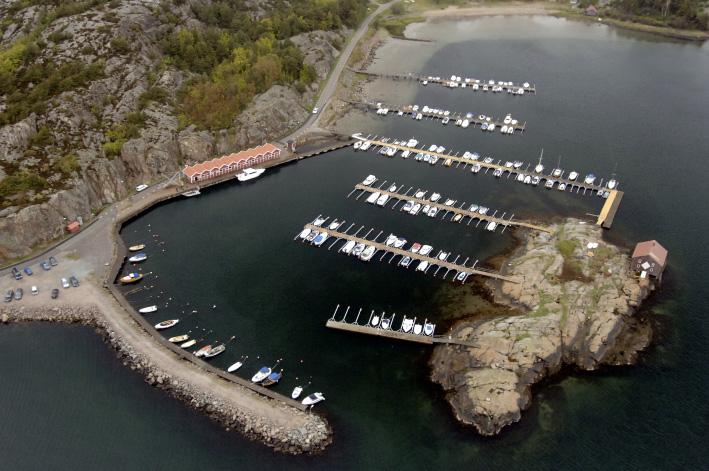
{"points": [[311, 438], [577, 303]]}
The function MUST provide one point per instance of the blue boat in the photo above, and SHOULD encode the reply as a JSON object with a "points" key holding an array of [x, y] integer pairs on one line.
{"points": [[261, 374], [273, 378]]}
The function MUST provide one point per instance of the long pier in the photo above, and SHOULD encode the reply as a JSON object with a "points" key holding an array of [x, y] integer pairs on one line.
{"points": [[456, 268], [434, 113], [448, 209], [579, 185], [610, 208], [514, 88]]}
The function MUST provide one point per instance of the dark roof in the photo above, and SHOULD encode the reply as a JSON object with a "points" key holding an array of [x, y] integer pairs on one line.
{"points": [[651, 248]]}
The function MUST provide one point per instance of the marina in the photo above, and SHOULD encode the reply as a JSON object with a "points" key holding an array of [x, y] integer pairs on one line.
{"points": [[318, 232], [507, 125], [456, 81], [419, 201]]}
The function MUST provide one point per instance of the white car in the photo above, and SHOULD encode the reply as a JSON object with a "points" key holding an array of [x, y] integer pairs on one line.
{"points": [[141, 187], [65, 283], [315, 110], [35, 290]]}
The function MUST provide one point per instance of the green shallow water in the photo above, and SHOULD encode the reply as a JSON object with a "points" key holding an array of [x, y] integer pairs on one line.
{"points": [[606, 99]]}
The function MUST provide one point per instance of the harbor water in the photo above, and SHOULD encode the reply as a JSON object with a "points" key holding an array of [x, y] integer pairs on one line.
{"points": [[607, 101]]}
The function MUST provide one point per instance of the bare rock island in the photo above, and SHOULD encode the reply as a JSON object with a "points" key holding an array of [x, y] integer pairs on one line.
{"points": [[576, 304]]}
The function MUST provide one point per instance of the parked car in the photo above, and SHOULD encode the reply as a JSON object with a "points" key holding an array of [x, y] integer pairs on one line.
{"points": [[140, 188], [19, 293], [315, 110], [53, 261], [9, 295], [65, 283], [28, 271], [35, 290], [16, 274], [74, 281], [55, 293], [45, 265]]}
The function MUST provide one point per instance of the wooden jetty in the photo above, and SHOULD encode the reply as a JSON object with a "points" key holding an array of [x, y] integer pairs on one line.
{"points": [[447, 82], [450, 209], [610, 208], [456, 268], [437, 114], [571, 184]]}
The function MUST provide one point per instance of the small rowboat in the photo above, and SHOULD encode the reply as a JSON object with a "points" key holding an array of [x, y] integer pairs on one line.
{"points": [[178, 339], [189, 343], [202, 351], [135, 248], [166, 324], [139, 257], [234, 367], [215, 351], [297, 392], [131, 278], [145, 310]]}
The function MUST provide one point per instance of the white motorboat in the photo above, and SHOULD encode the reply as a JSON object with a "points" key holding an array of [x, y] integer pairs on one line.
{"points": [[442, 256], [399, 243], [261, 374], [390, 240], [212, 352], [372, 199], [357, 144], [374, 321], [369, 180], [382, 200], [334, 225], [435, 197], [385, 323], [311, 237], [313, 399], [557, 172], [520, 177], [318, 221], [415, 209], [234, 367], [590, 178], [139, 257], [535, 180], [483, 210], [508, 119], [449, 202], [425, 250], [465, 124], [473, 208], [147, 309], [433, 212], [166, 324], [573, 175], [422, 266], [304, 233], [426, 208], [405, 262], [297, 391], [347, 248], [461, 276], [191, 193], [475, 168], [612, 183], [407, 206], [527, 180], [366, 145], [359, 248], [503, 129], [407, 325], [320, 239], [457, 217], [249, 174], [420, 194], [405, 154], [178, 338], [428, 328], [418, 328], [368, 253], [491, 226], [549, 184], [539, 167], [561, 187]]}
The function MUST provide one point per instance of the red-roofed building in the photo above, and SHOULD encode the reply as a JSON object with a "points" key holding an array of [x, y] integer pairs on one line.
{"points": [[649, 257], [230, 163]]}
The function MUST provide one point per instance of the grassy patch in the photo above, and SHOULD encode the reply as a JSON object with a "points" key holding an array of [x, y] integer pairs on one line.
{"points": [[20, 182]]}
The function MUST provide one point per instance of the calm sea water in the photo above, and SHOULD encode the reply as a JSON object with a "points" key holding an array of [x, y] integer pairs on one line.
{"points": [[607, 99]]}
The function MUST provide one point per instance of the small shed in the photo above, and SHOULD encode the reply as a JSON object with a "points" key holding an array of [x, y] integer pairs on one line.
{"points": [[73, 226], [591, 10], [650, 258]]}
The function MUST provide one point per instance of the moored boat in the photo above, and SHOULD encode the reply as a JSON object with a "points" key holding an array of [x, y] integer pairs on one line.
{"points": [[131, 278], [347, 248], [304, 233], [249, 174], [417, 329], [313, 399], [369, 180], [178, 338], [234, 366], [139, 257], [407, 325], [297, 391], [166, 324], [147, 309], [188, 344], [261, 374], [191, 193], [202, 351], [135, 248], [428, 328]]}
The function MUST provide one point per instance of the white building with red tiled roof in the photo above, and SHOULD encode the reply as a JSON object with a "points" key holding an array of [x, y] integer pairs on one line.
{"points": [[230, 163]]}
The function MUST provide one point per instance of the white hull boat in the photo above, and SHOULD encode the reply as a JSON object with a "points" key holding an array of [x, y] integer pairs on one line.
{"points": [[375, 321], [347, 248], [261, 374], [369, 180], [407, 325], [166, 324], [313, 399], [428, 329], [234, 367], [191, 193], [250, 174], [297, 391], [417, 329], [147, 309], [138, 258]]}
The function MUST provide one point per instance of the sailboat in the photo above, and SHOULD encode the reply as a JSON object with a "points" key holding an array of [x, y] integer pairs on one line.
{"points": [[540, 168]]}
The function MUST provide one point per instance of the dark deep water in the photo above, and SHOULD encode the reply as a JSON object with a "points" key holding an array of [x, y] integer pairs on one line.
{"points": [[606, 98]]}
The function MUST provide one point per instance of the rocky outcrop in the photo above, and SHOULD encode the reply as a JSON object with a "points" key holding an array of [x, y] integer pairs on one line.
{"points": [[312, 437], [320, 49], [578, 305]]}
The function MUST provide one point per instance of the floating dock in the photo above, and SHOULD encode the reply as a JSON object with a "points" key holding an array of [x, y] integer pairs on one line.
{"points": [[447, 82], [382, 250], [370, 327], [570, 185], [475, 121], [444, 209]]}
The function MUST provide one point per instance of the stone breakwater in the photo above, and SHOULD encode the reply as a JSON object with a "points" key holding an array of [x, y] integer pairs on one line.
{"points": [[312, 436], [577, 308]]}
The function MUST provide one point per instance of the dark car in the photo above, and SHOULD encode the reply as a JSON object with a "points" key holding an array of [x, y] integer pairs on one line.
{"points": [[19, 293], [28, 271], [74, 281], [16, 274], [45, 265], [53, 261], [9, 295], [55, 293]]}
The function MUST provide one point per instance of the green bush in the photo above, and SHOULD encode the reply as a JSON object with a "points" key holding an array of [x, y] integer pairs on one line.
{"points": [[68, 164], [20, 182], [120, 45]]}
